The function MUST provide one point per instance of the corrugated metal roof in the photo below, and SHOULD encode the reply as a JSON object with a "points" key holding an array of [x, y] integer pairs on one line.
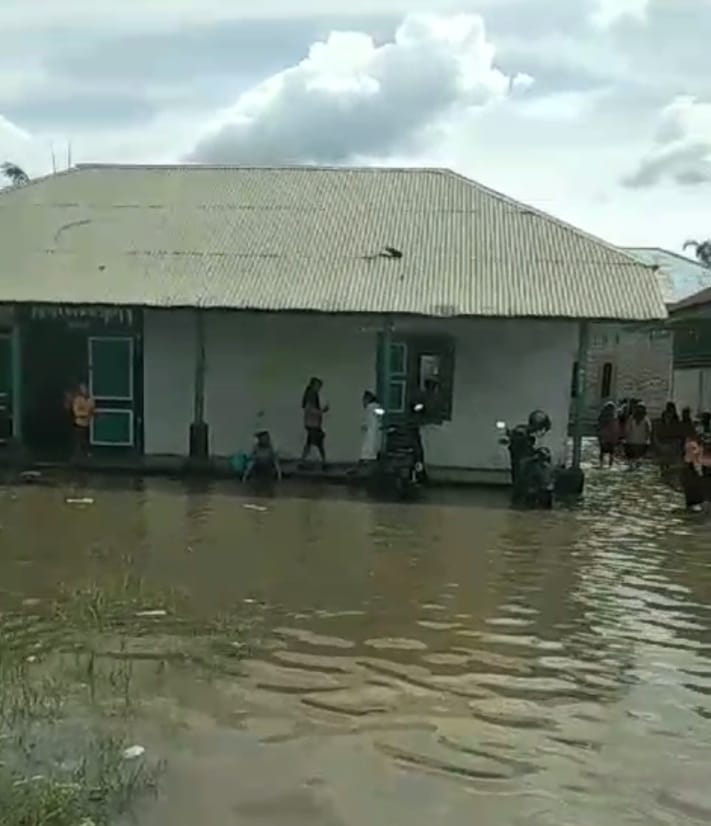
{"points": [[307, 238], [697, 301], [680, 276]]}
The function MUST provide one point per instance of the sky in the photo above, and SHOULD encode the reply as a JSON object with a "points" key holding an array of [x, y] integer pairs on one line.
{"points": [[597, 111]]}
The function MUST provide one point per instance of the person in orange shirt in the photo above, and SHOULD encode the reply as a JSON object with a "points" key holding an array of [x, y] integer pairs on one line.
{"points": [[83, 407]]}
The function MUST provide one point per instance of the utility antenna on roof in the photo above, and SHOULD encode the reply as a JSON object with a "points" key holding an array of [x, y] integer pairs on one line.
{"points": [[385, 252], [54, 159], [69, 154]]}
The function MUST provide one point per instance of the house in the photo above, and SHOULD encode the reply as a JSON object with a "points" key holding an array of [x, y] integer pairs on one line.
{"points": [[690, 321], [209, 295], [635, 360]]}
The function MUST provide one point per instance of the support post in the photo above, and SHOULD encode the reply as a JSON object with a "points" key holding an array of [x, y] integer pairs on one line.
{"points": [[199, 439], [385, 368], [581, 385], [16, 382]]}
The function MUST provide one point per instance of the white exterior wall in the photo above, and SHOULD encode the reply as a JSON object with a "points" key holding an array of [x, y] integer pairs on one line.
{"points": [[504, 369], [261, 362], [692, 388], [168, 380]]}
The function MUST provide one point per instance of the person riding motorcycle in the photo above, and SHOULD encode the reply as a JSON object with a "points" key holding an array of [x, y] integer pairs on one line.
{"points": [[531, 475]]}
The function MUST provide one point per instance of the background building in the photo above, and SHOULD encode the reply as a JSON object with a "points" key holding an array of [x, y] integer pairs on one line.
{"points": [[632, 360]]}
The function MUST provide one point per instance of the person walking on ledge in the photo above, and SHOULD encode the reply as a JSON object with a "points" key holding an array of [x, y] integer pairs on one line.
{"points": [[313, 420]]}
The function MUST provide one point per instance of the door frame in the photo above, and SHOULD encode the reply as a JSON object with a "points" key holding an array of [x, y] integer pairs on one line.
{"points": [[7, 398]]}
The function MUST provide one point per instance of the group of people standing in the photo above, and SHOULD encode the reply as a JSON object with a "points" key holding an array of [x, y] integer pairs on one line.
{"points": [[314, 411], [680, 443], [264, 460], [627, 426]]}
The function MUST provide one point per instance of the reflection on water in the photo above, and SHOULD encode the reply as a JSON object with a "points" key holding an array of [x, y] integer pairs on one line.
{"points": [[449, 662]]}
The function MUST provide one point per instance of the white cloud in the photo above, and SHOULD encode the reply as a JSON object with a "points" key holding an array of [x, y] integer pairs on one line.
{"points": [[436, 95], [682, 146], [351, 96], [608, 12], [21, 148]]}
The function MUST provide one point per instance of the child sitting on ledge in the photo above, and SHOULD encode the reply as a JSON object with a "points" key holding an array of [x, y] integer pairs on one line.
{"points": [[263, 462]]}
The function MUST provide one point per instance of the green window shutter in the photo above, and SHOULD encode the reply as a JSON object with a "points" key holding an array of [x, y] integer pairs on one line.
{"points": [[111, 362], [112, 427], [398, 372]]}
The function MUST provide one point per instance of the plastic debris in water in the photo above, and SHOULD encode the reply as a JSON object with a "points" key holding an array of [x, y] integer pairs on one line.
{"points": [[80, 501], [258, 508], [133, 752], [155, 612]]}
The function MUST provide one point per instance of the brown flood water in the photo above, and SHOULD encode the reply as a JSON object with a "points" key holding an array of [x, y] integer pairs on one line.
{"points": [[450, 662]]}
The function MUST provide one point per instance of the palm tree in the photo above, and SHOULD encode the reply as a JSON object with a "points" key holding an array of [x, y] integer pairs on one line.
{"points": [[702, 250], [14, 174]]}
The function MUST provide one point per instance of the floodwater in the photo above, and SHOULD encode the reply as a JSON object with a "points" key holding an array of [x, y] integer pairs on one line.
{"points": [[449, 662]]}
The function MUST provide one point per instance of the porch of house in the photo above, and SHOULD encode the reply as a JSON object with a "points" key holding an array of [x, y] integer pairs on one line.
{"points": [[257, 365], [243, 371]]}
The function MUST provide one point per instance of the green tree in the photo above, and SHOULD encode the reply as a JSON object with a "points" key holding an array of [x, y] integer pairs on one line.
{"points": [[702, 250], [15, 174]]}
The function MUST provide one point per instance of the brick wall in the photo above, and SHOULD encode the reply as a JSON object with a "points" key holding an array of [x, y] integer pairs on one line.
{"points": [[641, 362]]}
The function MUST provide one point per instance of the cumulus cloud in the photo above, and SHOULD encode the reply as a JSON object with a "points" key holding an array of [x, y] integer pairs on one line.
{"points": [[608, 12], [682, 147], [352, 97]]}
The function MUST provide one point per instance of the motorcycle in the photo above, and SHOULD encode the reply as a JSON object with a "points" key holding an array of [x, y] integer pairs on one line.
{"points": [[532, 473], [400, 468]]}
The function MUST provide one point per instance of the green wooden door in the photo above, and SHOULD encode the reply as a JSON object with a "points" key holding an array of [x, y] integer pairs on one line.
{"points": [[111, 385]]}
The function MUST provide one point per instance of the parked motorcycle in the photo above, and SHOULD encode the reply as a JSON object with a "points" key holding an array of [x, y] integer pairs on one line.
{"points": [[532, 473], [400, 468]]}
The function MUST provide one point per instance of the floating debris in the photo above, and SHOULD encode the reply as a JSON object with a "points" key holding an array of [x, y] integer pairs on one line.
{"points": [[86, 500], [30, 476], [133, 752], [154, 612], [258, 508]]}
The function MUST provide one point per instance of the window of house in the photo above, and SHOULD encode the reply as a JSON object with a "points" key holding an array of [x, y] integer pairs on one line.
{"points": [[421, 369], [606, 380], [397, 395], [574, 381]]}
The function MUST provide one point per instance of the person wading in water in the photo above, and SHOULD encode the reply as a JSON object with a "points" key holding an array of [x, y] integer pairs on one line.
{"points": [[668, 439], [608, 433], [638, 435], [692, 474]]}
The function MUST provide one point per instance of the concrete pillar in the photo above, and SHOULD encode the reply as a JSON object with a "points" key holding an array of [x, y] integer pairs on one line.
{"points": [[16, 349], [579, 401], [385, 367], [199, 435]]}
